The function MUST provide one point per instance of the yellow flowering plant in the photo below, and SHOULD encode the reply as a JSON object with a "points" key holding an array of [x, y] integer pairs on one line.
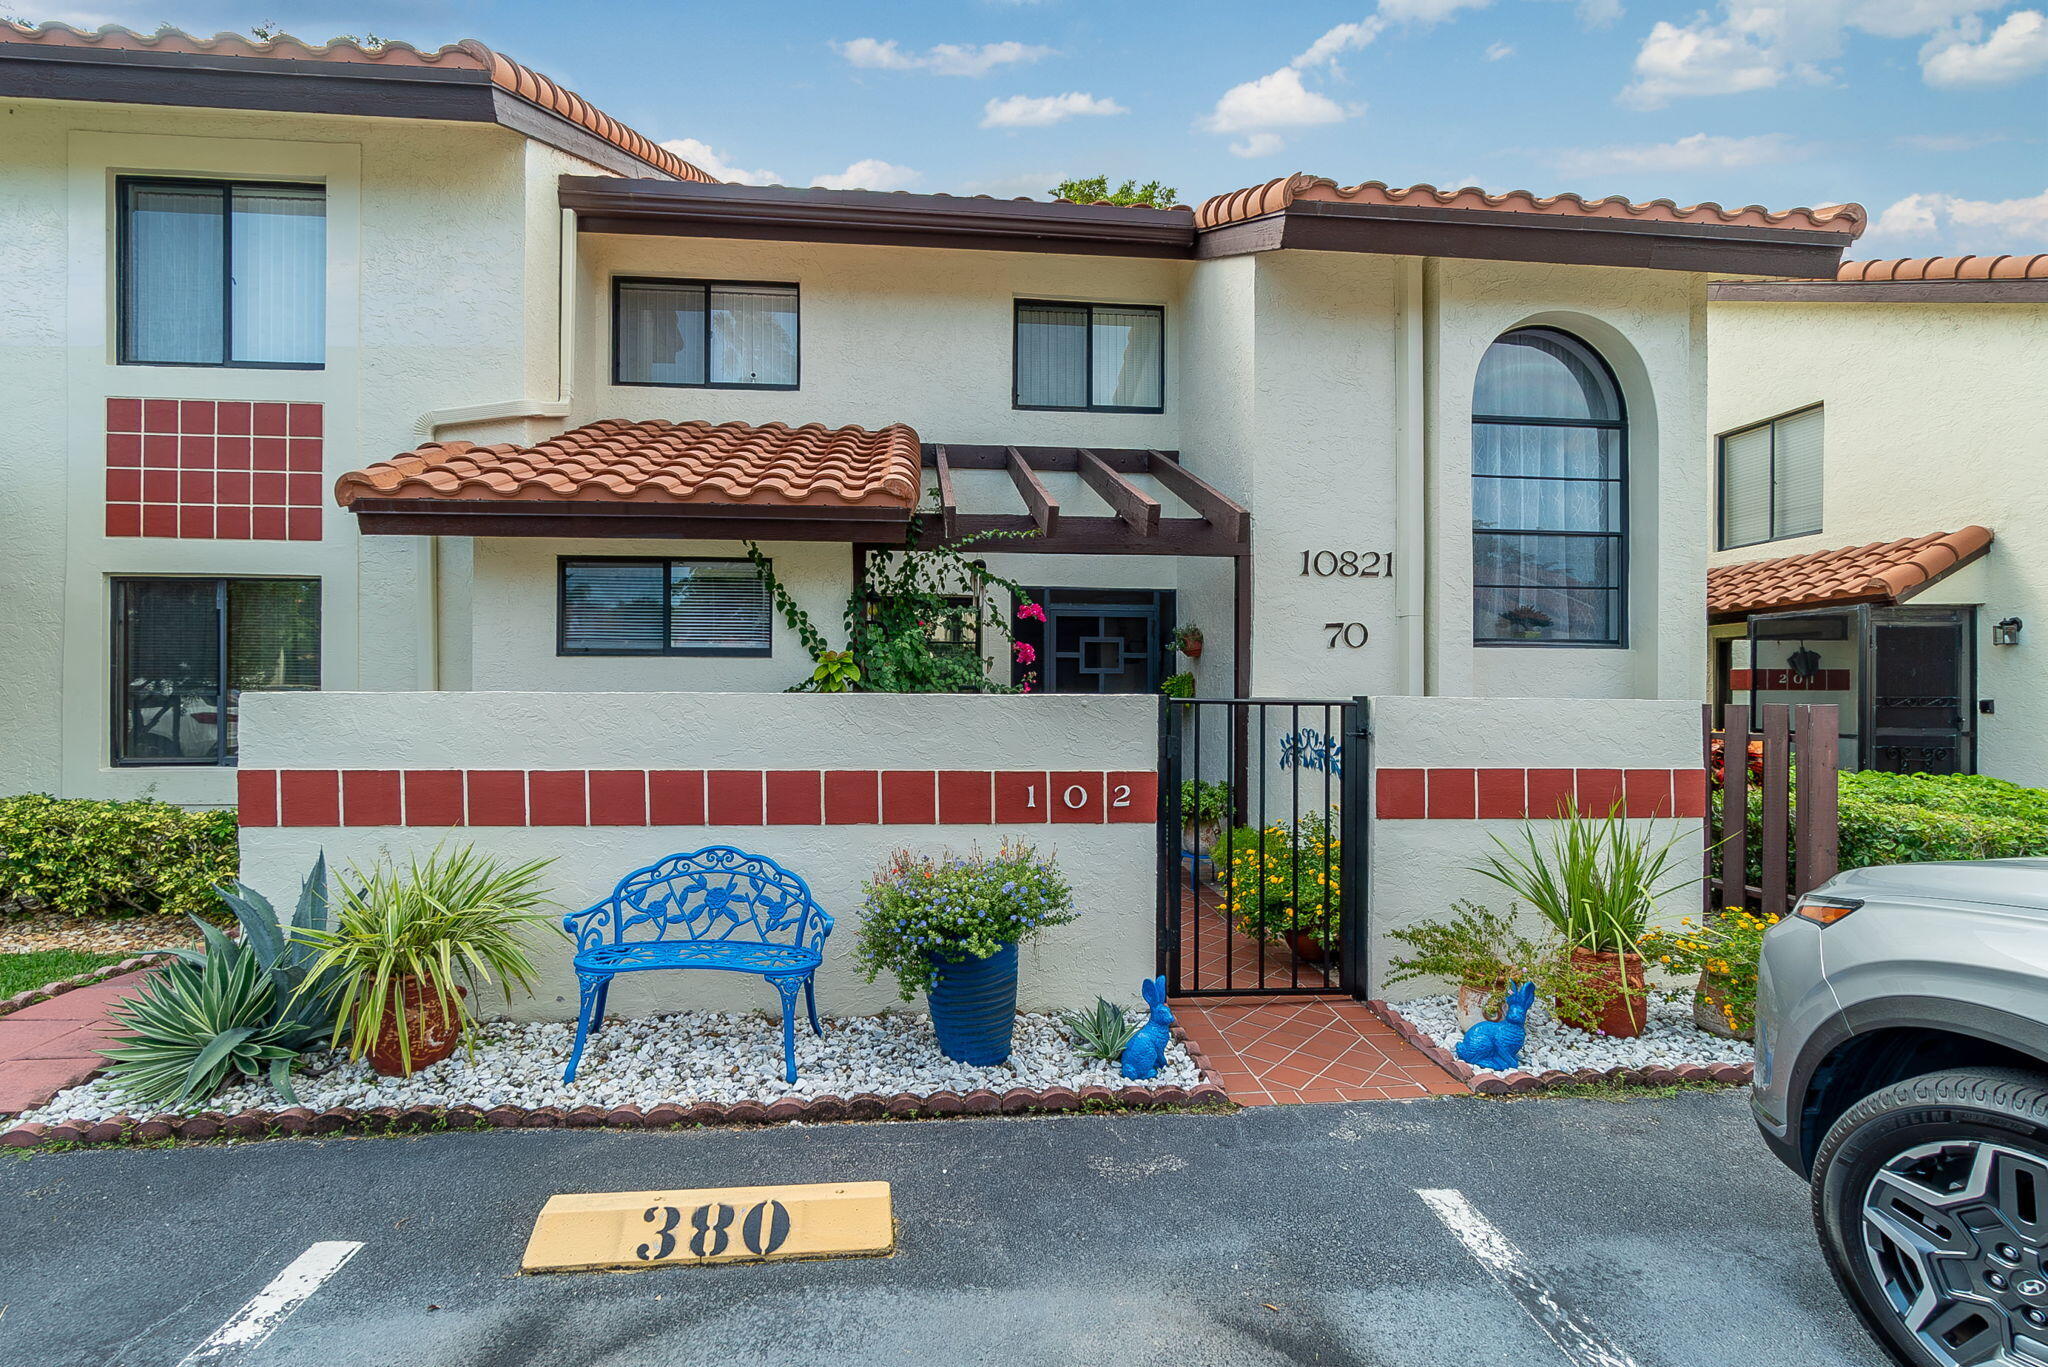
{"points": [[1282, 879], [1723, 951]]}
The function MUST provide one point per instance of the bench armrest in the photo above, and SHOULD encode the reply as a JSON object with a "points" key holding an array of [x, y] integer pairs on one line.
{"points": [[816, 929], [587, 927]]}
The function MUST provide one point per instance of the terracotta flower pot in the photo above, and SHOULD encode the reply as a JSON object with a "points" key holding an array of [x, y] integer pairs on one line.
{"points": [[1626, 1008], [1709, 1002], [1191, 646], [1471, 1006], [433, 1029], [1307, 947]]}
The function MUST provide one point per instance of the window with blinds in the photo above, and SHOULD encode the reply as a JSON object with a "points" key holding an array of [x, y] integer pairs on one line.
{"points": [[1108, 358], [704, 334], [664, 607], [1770, 479], [186, 649], [222, 273]]}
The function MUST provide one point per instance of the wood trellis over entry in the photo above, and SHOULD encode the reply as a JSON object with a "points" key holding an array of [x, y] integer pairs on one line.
{"points": [[1139, 527]]}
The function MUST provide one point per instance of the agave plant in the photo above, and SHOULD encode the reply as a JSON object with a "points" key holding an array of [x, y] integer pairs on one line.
{"points": [[249, 1007], [1102, 1032]]}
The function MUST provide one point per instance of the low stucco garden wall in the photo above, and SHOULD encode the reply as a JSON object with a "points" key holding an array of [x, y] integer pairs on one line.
{"points": [[827, 785]]}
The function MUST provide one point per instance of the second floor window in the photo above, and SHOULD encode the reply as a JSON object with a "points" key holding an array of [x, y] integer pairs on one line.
{"points": [[222, 273], [704, 334], [1770, 479], [1103, 358]]}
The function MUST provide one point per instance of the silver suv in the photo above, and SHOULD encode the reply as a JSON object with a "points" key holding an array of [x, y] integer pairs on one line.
{"points": [[1902, 1065]]}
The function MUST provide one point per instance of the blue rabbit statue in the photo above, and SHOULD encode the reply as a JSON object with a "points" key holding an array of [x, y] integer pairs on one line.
{"points": [[1147, 1049], [1498, 1044]]}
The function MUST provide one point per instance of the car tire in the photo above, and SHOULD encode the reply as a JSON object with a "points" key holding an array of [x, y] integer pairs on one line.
{"points": [[1944, 1263]]}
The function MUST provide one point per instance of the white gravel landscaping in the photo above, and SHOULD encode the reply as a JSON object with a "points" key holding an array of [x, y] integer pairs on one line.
{"points": [[1669, 1039], [683, 1058]]}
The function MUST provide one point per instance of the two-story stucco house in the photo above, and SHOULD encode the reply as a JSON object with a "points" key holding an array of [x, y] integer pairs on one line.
{"points": [[1874, 433], [373, 369]]}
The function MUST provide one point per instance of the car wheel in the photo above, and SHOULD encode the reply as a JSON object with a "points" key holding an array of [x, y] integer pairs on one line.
{"points": [[1931, 1199]]}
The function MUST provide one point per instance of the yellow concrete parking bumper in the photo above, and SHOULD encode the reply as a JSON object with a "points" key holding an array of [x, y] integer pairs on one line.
{"points": [[629, 1229]]}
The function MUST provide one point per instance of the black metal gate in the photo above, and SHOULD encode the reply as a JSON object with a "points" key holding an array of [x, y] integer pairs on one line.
{"points": [[1263, 806]]}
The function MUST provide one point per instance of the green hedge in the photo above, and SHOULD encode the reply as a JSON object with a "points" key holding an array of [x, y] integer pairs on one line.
{"points": [[1911, 818], [84, 857]]}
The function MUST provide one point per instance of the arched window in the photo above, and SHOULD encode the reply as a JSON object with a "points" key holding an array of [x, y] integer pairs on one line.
{"points": [[1549, 494]]}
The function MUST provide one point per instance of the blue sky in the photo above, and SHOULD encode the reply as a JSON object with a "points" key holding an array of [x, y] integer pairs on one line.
{"points": [[1931, 113]]}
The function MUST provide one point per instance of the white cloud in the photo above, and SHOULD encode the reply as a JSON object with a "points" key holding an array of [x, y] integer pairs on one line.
{"points": [[1758, 44], [1496, 51], [1257, 145], [1962, 225], [946, 59], [715, 163], [1275, 100], [1461, 182], [1599, 13], [870, 173], [1344, 38], [2015, 50], [1031, 185], [1041, 111], [1695, 152]]}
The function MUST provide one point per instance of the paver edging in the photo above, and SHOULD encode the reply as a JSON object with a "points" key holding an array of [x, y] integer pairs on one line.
{"points": [[1521, 1081], [294, 1120], [92, 977]]}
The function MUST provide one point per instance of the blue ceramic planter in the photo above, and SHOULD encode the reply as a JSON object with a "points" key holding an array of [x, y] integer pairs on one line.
{"points": [[974, 1008]]}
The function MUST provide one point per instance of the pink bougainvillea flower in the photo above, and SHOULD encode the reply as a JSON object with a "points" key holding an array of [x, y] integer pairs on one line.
{"points": [[1024, 651], [1025, 689], [1031, 612]]}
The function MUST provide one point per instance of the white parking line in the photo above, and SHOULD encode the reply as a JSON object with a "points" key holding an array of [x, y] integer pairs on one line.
{"points": [[1575, 1338], [267, 1309]]}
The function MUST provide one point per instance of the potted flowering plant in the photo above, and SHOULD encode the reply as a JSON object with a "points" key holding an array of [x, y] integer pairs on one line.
{"points": [[1188, 641], [1724, 953], [1283, 883], [1526, 622], [949, 925]]}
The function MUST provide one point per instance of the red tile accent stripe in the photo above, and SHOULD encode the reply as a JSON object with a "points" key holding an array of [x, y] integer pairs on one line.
{"points": [[690, 797], [1511, 794], [1783, 681], [202, 470]]}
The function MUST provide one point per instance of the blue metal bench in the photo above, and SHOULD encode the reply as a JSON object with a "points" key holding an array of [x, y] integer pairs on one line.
{"points": [[716, 908]]}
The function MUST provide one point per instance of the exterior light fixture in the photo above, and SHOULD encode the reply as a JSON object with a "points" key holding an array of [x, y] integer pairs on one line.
{"points": [[1804, 664], [2007, 632]]}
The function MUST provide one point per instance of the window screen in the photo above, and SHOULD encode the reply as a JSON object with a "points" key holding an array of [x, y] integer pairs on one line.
{"points": [[222, 273], [1549, 486], [704, 334], [1090, 356], [664, 607], [1771, 480], [185, 650]]}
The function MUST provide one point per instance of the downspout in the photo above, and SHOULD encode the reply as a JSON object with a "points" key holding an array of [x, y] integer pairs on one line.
{"points": [[1411, 474]]}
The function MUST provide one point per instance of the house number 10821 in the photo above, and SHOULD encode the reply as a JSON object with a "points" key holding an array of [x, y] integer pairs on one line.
{"points": [[1347, 564]]}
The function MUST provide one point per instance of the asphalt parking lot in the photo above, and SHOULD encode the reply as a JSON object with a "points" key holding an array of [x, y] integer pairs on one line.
{"points": [[1452, 1232]]}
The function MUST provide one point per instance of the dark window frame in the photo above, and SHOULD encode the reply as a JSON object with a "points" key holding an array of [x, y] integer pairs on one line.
{"points": [[708, 285], [1088, 357], [124, 242], [1721, 541], [668, 650], [117, 655], [1620, 536]]}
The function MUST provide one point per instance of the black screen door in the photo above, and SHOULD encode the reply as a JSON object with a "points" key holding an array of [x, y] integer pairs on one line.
{"points": [[1922, 692], [1098, 640]]}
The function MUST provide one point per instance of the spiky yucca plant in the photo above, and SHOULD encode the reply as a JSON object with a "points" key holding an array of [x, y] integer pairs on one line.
{"points": [[1594, 879], [1101, 1032]]}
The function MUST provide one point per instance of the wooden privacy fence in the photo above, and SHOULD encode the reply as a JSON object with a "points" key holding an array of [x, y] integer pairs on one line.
{"points": [[1772, 834]]}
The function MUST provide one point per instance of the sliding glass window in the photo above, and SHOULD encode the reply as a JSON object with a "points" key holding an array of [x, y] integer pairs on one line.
{"points": [[704, 334]]}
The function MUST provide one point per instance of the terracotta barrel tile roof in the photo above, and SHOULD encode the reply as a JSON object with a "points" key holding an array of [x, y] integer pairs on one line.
{"points": [[1883, 571], [1276, 195], [1914, 268], [467, 55], [657, 461]]}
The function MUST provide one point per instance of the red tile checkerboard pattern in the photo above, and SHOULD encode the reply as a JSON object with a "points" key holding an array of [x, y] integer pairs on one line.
{"points": [[1216, 956], [1507, 794], [1289, 1049], [690, 797], [201, 469]]}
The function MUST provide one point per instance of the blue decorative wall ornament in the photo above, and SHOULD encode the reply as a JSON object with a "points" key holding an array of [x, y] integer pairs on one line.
{"points": [[1498, 1044], [1147, 1049], [1309, 748]]}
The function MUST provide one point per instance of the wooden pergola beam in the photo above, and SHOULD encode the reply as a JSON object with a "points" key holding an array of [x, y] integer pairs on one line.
{"points": [[1138, 509], [1045, 509], [949, 506], [1226, 516]]}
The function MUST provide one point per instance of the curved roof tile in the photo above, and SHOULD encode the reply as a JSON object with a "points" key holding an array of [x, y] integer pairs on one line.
{"points": [[1883, 571], [656, 461], [1275, 195], [467, 55], [2022, 266]]}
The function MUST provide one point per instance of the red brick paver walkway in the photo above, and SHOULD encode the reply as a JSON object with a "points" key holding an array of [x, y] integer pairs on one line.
{"points": [[52, 1045], [1286, 1049]]}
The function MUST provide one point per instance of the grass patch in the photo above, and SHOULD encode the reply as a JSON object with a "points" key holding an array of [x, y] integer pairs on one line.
{"points": [[20, 972]]}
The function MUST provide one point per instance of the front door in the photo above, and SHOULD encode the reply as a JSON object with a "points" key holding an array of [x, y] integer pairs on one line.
{"points": [[1097, 640], [1922, 694]]}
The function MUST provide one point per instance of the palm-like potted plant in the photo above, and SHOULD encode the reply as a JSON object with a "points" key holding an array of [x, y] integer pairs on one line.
{"points": [[1596, 881], [407, 946]]}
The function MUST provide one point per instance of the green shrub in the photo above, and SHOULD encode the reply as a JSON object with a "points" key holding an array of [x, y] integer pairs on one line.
{"points": [[1283, 879], [1914, 818], [85, 857]]}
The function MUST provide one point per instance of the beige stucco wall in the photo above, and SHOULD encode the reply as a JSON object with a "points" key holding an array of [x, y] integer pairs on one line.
{"points": [[1933, 422]]}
